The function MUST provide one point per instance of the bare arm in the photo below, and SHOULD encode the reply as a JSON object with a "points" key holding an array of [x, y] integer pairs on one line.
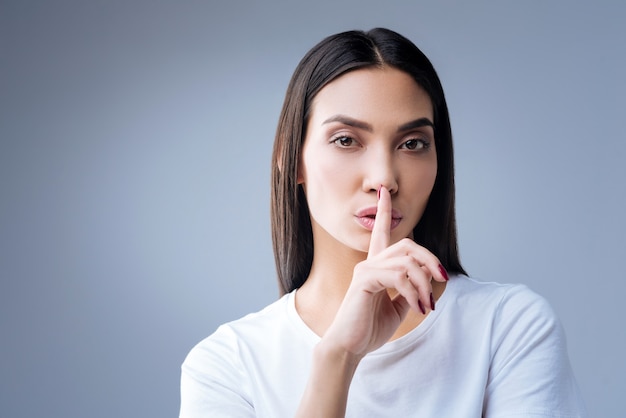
{"points": [[326, 393], [368, 316]]}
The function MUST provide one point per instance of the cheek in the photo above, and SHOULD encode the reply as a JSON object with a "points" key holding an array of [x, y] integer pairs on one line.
{"points": [[422, 187], [423, 176], [432, 176], [322, 172]]}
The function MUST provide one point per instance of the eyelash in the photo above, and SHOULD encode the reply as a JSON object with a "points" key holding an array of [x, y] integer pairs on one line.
{"points": [[340, 138], [425, 144]]}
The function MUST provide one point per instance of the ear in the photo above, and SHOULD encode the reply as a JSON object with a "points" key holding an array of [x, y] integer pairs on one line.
{"points": [[300, 176], [279, 166]]}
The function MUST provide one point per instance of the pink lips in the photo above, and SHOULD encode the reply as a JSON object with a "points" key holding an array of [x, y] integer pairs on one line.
{"points": [[365, 217]]}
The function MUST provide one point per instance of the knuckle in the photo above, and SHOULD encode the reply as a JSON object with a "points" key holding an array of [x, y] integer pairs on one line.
{"points": [[399, 275], [359, 267], [407, 243]]}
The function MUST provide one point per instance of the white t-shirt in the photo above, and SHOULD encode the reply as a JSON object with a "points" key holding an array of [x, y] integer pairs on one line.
{"points": [[488, 349]]}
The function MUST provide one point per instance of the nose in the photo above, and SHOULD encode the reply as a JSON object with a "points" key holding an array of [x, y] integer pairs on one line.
{"points": [[380, 170]]}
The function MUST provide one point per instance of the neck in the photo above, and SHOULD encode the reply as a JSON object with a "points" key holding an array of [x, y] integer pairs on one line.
{"points": [[319, 298], [332, 268]]}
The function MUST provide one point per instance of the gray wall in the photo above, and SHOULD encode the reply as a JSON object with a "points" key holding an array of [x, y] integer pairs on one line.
{"points": [[134, 170]]}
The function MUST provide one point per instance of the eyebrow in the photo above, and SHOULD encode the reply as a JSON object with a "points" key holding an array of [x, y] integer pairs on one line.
{"points": [[417, 123], [347, 120]]}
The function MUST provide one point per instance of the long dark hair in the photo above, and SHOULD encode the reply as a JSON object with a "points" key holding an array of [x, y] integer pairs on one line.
{"points": [[292, 236]]}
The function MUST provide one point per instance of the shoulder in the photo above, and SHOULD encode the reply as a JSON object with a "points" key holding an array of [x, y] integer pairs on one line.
{"points": [[504, 312], [500, 298], [228, 338], [517, 322], [529, 367], [226, 345], [215, 373]]}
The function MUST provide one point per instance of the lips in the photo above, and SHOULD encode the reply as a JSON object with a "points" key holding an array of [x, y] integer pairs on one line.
{"points": [[366, 217]]}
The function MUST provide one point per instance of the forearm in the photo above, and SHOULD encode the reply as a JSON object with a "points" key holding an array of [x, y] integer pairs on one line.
{"points": [[326, 393]]}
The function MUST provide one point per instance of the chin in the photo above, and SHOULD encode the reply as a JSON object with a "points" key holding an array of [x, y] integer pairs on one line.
{"points": [[361, 245]]}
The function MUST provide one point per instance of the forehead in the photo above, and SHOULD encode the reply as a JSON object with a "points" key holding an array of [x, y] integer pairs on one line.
{"points": [[373, 94]]}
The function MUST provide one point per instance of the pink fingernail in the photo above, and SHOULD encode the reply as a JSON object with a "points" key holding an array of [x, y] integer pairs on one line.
{"points": [[381, 186]]}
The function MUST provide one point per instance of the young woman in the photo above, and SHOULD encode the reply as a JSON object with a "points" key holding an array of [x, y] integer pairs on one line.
{"points": [[378, 317]]}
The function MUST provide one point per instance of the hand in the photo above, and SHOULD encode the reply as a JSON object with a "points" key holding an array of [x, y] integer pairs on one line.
{"points": [[369, 314]]}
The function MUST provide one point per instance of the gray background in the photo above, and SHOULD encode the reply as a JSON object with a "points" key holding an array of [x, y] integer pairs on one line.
{"points": [[134, 171]]}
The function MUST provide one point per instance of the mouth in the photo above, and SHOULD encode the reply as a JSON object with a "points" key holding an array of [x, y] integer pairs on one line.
{"points": [[366, 217], [371, 213]]}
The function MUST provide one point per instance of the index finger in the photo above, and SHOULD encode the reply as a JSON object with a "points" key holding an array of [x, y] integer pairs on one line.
{"points": [[382, 224]]}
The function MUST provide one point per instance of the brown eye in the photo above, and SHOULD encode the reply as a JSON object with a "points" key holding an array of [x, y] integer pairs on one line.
{"points": [[344, 141], [415, 144]]}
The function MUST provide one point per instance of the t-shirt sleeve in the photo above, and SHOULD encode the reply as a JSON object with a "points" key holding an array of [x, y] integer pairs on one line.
{"points": [[530, 374], [212, 380]]}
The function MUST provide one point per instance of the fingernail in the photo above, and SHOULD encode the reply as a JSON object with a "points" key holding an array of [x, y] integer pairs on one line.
{"points": [[432, 301], [381, 186], [419, 303], [443, 272]]}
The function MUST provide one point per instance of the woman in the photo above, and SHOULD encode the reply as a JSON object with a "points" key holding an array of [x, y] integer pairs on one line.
{"points": [[377, 317]]}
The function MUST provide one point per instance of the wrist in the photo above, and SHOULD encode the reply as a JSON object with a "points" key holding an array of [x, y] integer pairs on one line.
{"points": [[336, 357]]}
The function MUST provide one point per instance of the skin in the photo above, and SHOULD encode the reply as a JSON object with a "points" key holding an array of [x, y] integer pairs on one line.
{"points": [[369, 144]]}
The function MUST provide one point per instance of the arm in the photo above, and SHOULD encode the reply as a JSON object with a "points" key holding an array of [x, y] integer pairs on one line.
{"points": [[326, 393], [368, 315]]}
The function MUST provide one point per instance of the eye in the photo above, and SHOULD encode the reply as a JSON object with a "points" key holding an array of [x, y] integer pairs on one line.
{"points": [[415, 144], [343, 141]]}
